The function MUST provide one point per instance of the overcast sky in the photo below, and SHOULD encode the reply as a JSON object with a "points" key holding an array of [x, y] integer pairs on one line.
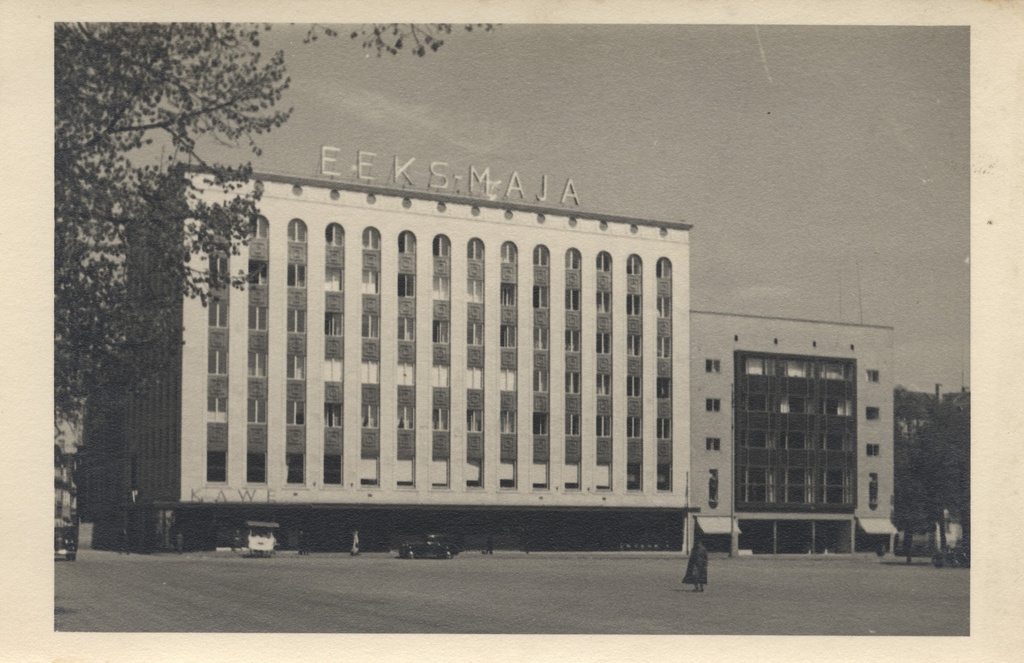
{"points": [[825, 169]]}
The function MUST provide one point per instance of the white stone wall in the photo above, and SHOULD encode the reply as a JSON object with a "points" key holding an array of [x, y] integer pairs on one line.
{"points": [[319, 206]]}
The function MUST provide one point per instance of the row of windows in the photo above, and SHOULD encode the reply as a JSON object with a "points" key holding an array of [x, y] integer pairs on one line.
{"points": [[335, 236], [295, 472], [792, 368], [762, 439], [295, 414], [794, 485]]}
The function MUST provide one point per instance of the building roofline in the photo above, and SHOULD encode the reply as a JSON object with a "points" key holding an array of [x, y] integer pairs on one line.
{"points": [[464, 200], [773, 317]]}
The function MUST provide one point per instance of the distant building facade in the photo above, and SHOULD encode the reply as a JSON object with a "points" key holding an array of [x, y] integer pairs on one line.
{"points": [[792, 431]]}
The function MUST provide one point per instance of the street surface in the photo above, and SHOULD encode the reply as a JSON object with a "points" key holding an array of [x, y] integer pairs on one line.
{"points": [[507, 593]]}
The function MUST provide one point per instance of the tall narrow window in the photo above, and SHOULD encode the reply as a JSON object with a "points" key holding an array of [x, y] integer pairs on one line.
{"points": [[296, 231]]}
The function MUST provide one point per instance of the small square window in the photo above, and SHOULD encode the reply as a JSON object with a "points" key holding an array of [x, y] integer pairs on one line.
{"points": [[712, 404], [873, 450], [713, 443], [712, 366], [872, 375], [871, 413]]}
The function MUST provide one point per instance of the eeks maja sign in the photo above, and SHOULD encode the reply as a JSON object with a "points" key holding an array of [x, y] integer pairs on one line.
{"points": [[441, 176]]}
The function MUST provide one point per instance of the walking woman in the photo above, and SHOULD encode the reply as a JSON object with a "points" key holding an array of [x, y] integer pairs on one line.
{"points": [[697, 568]]}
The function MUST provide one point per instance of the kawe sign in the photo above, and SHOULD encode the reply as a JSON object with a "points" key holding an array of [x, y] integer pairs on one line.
{"points": [[440, 176]]}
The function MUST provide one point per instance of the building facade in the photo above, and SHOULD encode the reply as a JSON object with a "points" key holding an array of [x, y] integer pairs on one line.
{"points": [[792, 433], [402, 362]]}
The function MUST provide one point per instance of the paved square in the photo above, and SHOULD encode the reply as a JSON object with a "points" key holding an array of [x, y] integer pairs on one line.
{"points": [[508, 593]]}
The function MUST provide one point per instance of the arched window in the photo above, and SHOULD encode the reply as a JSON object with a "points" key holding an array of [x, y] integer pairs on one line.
{"points": [[407, 242], [572, 259], [371, 239], [634, 265], [604, 262], [540, 256], [442, 247], [475, 250], [664, 268], [296, 231], [508, 253], [261, 228], [335, 235]]}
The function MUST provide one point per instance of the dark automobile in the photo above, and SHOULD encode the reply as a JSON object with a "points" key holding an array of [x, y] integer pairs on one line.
{"points": [[432, 545]]}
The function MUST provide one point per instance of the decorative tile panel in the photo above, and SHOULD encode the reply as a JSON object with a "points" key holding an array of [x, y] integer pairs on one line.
{"points": [[256, 438], [217, 385], [370, 394], [474, 446], [508, 447], [333, 441], [333, 392], [218, 338], [297, 344], [334, 348], [572, 450], [335, 257], [258, 341], [297, 252], [216, 437], [258, 388], [406, 445], [295, 438], [296, 390], [258, 295], [541, 449], [406, 395], [440, 448], [369, 444]]}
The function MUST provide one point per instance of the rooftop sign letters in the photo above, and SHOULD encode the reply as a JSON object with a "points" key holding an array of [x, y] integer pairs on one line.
{"points": [[440, 176]]}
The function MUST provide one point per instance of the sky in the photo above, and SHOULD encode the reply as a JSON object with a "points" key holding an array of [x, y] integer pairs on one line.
{"points": [[825, 169]]}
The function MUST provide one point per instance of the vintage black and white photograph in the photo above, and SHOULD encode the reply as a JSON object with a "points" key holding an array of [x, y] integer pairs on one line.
{"points": [[606, 328]]}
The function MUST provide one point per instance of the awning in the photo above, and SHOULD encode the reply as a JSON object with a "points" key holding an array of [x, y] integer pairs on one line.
{"points": [[716, 524], [876, 526]]}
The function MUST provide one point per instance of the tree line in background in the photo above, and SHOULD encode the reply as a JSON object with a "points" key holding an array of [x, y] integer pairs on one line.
{"points": [[133, 104], [932, 448]]}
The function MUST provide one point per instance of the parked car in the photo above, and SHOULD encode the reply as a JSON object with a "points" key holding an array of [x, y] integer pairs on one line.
{"points": [[65, 543], [957, 556], [432, 545]]}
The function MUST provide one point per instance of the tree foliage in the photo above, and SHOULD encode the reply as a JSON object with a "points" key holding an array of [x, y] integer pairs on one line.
{"points": [[932, 438], [132, 101], [418, 39], [120, 90]]}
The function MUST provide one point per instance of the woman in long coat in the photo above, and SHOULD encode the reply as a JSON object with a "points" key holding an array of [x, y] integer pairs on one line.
{"points": [[697, 568]]}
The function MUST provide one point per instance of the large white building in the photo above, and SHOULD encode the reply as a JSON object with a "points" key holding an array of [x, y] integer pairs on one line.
{"points": [[411, 360], [405, 360]]}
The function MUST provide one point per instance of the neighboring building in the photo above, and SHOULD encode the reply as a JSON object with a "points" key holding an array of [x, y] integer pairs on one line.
{"points": [[409, 361], [792, 434], [65, 502]]}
